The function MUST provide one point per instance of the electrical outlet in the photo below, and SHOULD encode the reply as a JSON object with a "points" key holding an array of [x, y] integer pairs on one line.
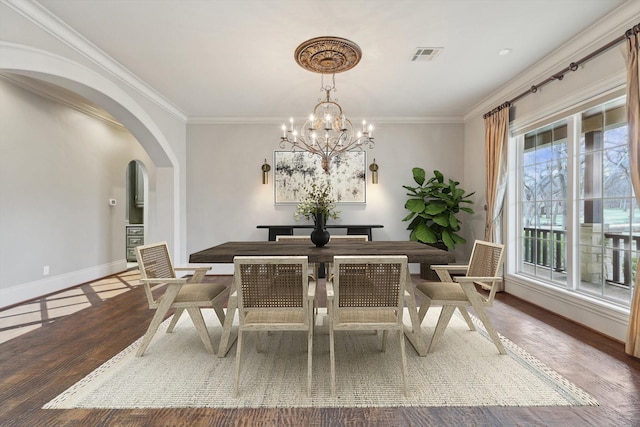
{"points": [[45, 270]]}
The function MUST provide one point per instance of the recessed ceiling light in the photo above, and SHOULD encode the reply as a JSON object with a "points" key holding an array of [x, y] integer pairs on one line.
{"points": [[505, 51]]}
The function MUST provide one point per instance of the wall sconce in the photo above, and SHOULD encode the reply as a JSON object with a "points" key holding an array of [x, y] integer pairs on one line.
{"points": [[265, 172], [373, 167]]}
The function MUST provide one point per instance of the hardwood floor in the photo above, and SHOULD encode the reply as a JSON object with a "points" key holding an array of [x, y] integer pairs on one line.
{"points": [[38, 365]]}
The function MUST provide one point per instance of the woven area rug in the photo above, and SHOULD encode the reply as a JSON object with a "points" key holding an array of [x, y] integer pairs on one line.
{"points": [[464, 370]]}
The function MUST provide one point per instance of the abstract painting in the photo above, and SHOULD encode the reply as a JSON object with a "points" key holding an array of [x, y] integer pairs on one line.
{"points": [[296, 170]]}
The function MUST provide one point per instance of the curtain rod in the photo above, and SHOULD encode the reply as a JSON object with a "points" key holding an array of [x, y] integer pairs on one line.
{"points": [[572, 67]]}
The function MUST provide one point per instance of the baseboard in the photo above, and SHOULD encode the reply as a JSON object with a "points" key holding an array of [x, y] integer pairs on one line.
{"points": [[607, 319], [30, 290]]}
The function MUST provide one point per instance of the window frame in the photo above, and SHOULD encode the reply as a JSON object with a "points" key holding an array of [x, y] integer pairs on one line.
{"points": [[513, 219]]}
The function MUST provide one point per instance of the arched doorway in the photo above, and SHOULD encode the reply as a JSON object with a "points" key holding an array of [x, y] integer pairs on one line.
{"points": [[166, 181]]}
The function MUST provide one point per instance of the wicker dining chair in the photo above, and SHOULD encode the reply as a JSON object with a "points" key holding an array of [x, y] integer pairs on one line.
{"points": [[460, 292], [157, 270], [274, 294], [367, 293]]}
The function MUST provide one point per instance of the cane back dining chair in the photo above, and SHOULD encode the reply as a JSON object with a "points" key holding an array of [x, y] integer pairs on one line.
{"points": [[367, 293], [460, 292], [344, 238], [274, 294], [157, 270], [299, 239]]}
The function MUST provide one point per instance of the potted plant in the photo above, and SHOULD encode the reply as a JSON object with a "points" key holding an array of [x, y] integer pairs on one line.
{"points": [[319, 205], [433, 205]]}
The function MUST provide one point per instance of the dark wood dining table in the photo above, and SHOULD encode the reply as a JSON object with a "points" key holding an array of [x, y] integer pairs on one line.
{"points": [[415, 252]]}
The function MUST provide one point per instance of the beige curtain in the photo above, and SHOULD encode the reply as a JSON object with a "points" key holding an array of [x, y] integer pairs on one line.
{"points": [[632, 345], [495, 136]]}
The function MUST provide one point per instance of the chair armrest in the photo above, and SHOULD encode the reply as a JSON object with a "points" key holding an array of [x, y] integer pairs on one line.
{"points": [[311, 290], [159, 280], [205, 268], [443, 271], [330, 293], [198, 272], [461, 279]]}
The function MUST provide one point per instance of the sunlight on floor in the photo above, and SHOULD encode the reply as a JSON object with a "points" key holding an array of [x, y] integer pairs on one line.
{"points": [[34, 314]]}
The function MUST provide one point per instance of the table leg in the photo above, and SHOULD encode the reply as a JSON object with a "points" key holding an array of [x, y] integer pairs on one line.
{"points": [[414, 333]]}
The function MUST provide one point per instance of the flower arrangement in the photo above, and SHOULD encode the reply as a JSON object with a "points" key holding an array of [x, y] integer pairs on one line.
{"points": [[317, 199]]}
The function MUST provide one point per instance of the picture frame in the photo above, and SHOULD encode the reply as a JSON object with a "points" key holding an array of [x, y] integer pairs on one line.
{"points": [[294, 171]]}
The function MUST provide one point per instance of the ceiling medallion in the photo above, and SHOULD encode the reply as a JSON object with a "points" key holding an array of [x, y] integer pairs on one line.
{"points": [[328, 55]]}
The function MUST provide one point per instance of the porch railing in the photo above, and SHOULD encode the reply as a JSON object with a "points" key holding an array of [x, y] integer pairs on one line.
{"points": [[545, 247]]}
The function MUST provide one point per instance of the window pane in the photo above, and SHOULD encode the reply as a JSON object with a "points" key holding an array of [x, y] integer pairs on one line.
{"points": [[616, 173], [529, 179], [606, 234]]}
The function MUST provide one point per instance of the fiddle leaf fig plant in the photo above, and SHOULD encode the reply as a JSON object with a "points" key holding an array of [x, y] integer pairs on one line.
{"points": [[433, 207]]}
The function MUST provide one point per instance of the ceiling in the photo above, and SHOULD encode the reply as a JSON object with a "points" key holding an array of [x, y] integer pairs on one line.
{"points": [[234, 59]]}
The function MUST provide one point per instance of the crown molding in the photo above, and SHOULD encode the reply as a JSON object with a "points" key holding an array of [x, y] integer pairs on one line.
{"points": [[40, 16], [212, 120], [597, 35]]}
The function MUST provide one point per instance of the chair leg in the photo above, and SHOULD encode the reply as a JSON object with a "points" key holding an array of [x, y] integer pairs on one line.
{"points": [[443, 321], [174, 319], [384, 340], [467, 318], [238, 357], [309, 359], [332, 357], [158, 317], [403, 356], [198, 321], [484, 318], [220, 313], [258, 336], [426, 303]]}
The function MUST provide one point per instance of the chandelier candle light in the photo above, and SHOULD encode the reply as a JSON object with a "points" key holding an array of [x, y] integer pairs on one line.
{"points": [[327, 132]]}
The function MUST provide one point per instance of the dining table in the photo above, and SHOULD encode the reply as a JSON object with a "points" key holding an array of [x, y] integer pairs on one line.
{"points": [[416, 253]]}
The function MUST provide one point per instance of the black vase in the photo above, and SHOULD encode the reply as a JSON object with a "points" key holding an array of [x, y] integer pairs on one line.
{"points": [[320, 236]]}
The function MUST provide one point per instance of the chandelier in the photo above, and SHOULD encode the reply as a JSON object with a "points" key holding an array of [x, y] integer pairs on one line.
{"points": [[327, 132]]}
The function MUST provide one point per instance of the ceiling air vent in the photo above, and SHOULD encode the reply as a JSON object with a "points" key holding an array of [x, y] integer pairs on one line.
{"points": [[425, 53]]}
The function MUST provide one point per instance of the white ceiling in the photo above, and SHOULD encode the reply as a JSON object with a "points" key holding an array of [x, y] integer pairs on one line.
{"points": [[234, 58]]}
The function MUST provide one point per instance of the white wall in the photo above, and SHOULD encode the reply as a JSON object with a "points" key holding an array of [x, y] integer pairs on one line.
{"points": [[58, 169], [227, 200]]}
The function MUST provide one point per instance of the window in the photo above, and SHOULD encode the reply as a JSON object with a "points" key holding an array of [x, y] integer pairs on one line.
{"points": [[587, 243]]}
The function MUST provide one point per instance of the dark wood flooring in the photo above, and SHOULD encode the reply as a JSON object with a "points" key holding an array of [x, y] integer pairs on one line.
{"points": [[39, 365]]}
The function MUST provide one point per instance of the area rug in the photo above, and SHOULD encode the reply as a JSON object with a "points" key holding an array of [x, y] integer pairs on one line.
{"points": [[464, 370]]}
